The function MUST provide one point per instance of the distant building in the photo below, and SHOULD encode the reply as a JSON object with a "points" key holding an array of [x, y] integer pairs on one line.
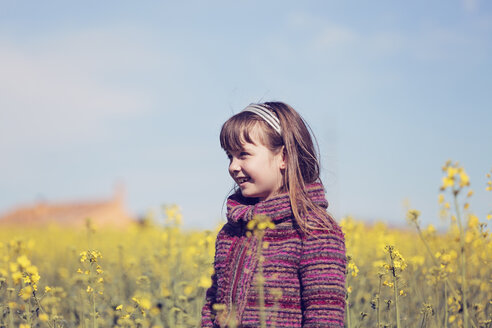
{"points": [[102, 213]]}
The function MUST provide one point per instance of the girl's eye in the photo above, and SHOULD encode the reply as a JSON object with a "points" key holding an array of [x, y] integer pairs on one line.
{"points": [[243, 153]]}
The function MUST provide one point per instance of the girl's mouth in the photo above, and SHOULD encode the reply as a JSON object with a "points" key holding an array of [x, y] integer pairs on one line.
{"points": [[242, 180]]}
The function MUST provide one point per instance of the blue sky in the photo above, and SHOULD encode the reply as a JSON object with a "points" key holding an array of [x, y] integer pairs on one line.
{"points": [[96, 93]]}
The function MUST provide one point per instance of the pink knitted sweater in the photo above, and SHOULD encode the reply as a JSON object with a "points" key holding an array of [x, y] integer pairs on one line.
{"points": [[304, 274]]}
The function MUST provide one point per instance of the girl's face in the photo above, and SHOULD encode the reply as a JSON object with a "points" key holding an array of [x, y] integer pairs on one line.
{"points": [[256, 170]]}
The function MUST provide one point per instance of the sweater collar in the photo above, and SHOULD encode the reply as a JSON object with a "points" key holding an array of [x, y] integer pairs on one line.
{"points": [[242, 209]]}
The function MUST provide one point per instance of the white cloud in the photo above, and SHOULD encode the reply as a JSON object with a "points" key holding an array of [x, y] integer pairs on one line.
{"points": [[324, 34], [334, 36], [64, 89], [425, 42], [470, 5]]}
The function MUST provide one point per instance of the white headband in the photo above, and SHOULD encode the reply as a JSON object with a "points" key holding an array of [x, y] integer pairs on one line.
{"points": [[265, 114]]}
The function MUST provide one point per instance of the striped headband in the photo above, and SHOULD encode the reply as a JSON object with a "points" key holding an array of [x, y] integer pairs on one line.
{"points": [[265, 114]]}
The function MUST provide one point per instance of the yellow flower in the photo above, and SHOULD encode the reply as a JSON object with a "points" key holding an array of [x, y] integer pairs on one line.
{"points": [[188, 290], [464, 179], [386, 283], [417, 260], [470, 193], [13, 267], [94, 255], [23, 261], [173, 214], [473, 221], [349, 289], [16, 277], [218, 307], [431, 229], [119, 307], [353, 269], [447, 182], [89, 290], [83, 256], [31, 269], [204, 282], [441, 198], [35, 278], [452, 171], [251, 225], [165, 292], [155, 311], [145, 303], [25, 293], [413, 215], [43, 317]]}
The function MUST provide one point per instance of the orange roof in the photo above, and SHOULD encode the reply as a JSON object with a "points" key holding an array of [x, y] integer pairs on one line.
{"points": [[109, 213]]}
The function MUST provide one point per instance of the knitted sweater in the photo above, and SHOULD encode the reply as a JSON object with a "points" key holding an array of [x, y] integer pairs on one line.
{"points": [[304, 275]]}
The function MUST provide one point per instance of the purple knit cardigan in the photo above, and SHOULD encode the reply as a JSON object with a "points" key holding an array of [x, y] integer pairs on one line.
{"points": [[307, 270]]}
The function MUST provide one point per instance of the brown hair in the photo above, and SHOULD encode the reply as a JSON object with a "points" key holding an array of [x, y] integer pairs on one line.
{"points": [[301, 156]]}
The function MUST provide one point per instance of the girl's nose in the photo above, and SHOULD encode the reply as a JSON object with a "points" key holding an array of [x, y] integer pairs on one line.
{"points": [[234, 166]]}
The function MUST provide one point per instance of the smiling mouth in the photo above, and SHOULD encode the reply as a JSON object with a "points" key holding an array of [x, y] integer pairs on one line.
{"points": [[242, 180]]}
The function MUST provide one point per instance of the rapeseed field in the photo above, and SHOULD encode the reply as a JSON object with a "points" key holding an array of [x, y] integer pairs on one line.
{"points": [[156, 276]]}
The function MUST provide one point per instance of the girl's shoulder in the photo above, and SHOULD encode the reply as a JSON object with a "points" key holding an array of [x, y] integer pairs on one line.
{"points": [[323, 227]]}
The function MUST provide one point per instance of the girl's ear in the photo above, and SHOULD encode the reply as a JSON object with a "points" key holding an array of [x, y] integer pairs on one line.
{"points": [[283, 160]]}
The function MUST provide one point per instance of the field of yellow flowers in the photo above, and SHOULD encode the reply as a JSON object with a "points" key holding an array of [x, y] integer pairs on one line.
{"points": [[156, 276]]}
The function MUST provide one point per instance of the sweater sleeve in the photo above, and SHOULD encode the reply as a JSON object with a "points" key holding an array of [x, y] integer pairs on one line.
{"points": [[322, 275], [207, 311]]}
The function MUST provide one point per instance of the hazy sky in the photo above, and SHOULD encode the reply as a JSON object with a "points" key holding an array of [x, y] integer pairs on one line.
{"points": [[98, 92]]}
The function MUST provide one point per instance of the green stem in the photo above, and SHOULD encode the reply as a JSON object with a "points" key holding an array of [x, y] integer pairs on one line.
{"points": [[91, 279], [395, 290], [463, 259], [445, 306], [261, 287], [349, 321], [11, 315], [94, 319], [28, 313], [36, 299], [434, 259], [378, 303]]}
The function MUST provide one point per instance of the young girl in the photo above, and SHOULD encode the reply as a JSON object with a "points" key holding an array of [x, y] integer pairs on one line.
{"points": [[276, 169]]}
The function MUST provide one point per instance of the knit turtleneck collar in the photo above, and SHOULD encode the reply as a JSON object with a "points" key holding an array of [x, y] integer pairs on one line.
{"points": [[242, 209]]}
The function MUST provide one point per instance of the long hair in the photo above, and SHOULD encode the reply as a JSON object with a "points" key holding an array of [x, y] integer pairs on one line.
{"points": [[301, 156]]}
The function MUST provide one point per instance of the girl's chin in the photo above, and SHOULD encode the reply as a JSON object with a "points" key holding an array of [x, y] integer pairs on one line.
{"points": [[250, 194]]}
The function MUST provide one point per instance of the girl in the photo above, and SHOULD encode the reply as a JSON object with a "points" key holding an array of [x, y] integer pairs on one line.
{"points": [[276, 170]]}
